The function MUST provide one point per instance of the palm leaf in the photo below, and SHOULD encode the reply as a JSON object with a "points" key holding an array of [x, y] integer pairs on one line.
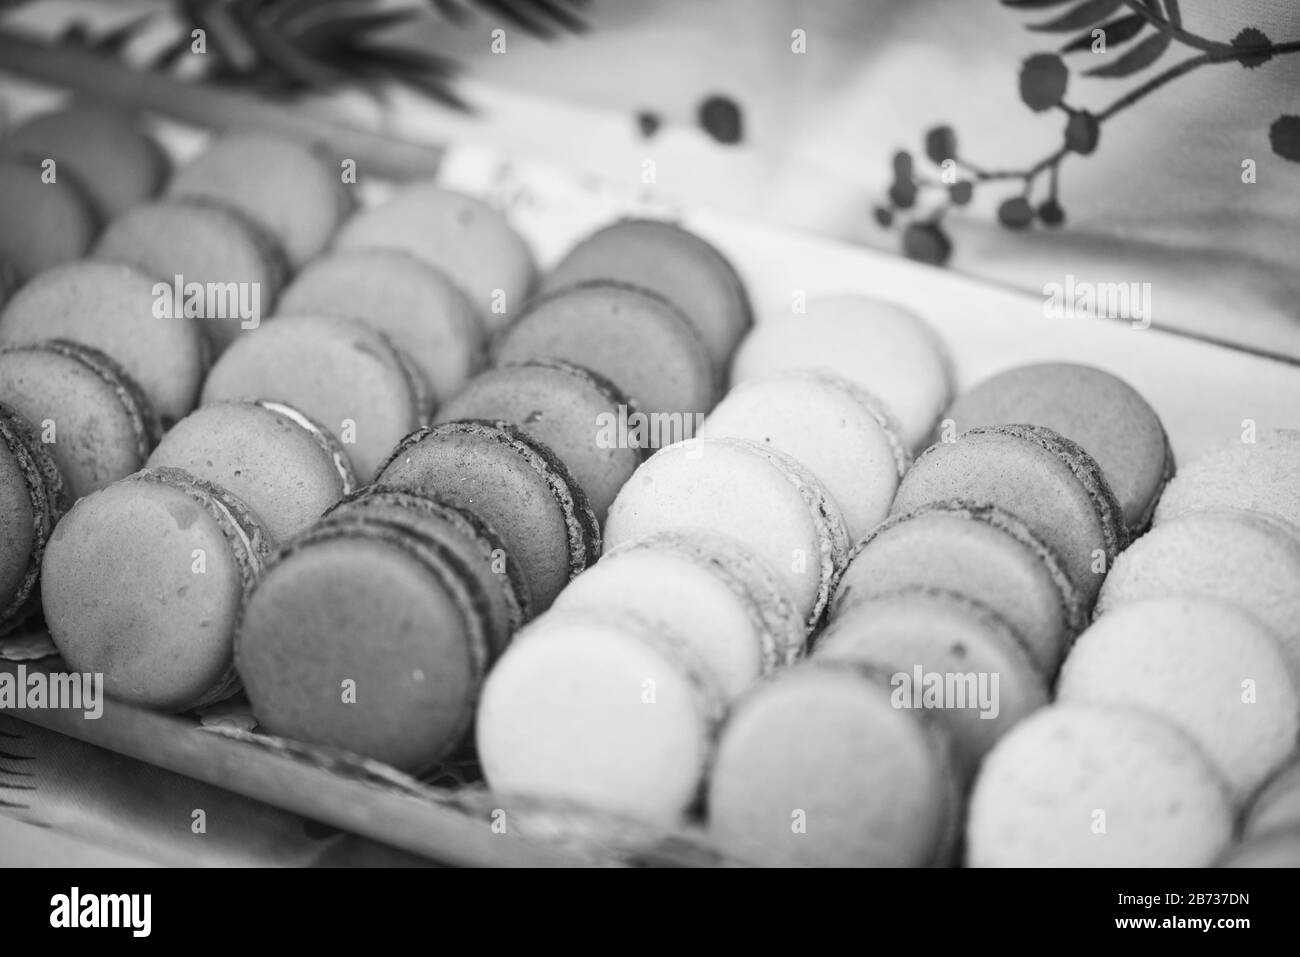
{"points": [[1136, 59], [1117, 31], [1084, 15]]}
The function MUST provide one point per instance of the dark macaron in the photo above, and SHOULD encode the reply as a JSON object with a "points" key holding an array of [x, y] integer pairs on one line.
{"points": [[91, 416], [480, 549], [31, 501], [103, 150], [516, 485], [678, 265], [633, 337], [116, 309], [1100, 411], [205, 243], [364, 635], [562, 406], [42, 224], [1047, 481]]}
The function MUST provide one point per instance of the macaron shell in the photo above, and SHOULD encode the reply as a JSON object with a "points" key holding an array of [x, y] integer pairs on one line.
{"points": [[42, 225], [95, 426], [33, 499], [1261, 476], [1278, 849], [1205, 665], [994, 682], [112, 308], [746, 490], [675, 263], [1081, 785], [883, 347], [635, 339], [282, 185], [980, 552], [837, 431], [563, 407], [604, 710], [816, 767], [1276, 806], [1235, 556], [115, 163], [417, 306], [273, 464], [1045, 480], [361, 642], [515, 485], [1099, 411], [341, 373], [480, 550], [675, 593], [465, 238], [143, 581], [203, 243]]}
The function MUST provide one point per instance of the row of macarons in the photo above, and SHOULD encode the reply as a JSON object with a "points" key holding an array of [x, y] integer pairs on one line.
{"points": [[997, 548]]}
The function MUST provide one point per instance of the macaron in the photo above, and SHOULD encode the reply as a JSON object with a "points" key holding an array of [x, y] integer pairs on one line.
{"points": [[1207, 666], [480, 550], [103, 150], [1240, 557], [463, 237], [1047, 481], [143, 581], [980, 552], [286, 187], [634, 338], [230, 270], [1275, 806], [1276, 849], [1099, 411], [706, 587], [417, 306], [366, 636], [571, 410], [945, 653], [605, 710], [750, 491], [889, 350], [287, 469], [32, 499], [1261, 476], [673, 262], [114, 308], [42, 225], [339, 372], [835, 428], [514, 484], [1082, 785], [817, 767], [85, 410]]}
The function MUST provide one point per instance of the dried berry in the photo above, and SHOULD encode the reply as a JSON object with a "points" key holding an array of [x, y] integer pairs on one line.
{"points": [[940, 144], [903, 194], [884, 216], [927, 243], [1255, 47], [903, 165], [1016, 213], [1043, 80], [962, 192], [1050, 213], [1082, 132]]}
